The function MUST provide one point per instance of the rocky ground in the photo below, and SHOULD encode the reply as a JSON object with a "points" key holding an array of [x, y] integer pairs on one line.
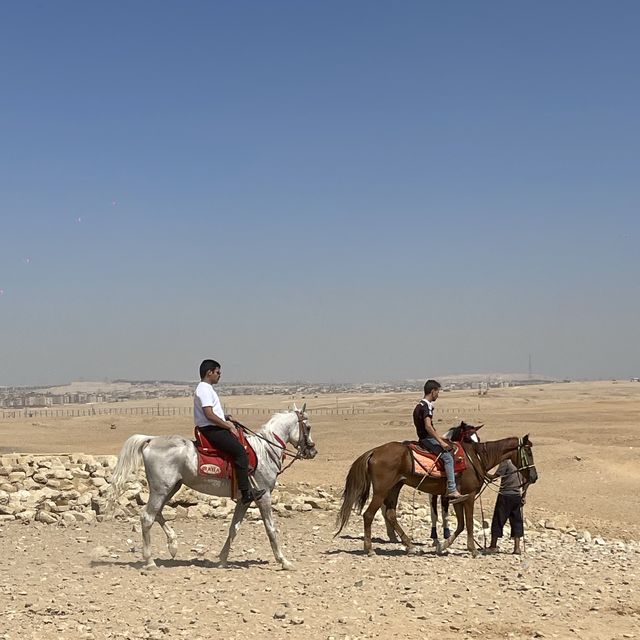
{"points": [[86, 581], [82, 577]]}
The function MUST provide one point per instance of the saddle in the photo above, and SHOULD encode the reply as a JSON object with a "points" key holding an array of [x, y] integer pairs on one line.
{"points": [[215, 463], [427, 463]]}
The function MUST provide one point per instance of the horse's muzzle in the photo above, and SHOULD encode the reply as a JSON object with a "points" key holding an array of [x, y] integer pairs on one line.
{"points": [[310, 453]]}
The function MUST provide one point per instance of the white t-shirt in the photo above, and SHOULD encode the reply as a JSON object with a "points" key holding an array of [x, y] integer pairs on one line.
{"points": [[205, 396]]}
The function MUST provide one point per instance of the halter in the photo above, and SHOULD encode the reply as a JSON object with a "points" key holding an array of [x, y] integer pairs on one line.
{"points": [[523, 456]]}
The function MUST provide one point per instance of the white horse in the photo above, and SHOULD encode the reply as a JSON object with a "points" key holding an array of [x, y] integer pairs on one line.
{"points": [[171, 461]]}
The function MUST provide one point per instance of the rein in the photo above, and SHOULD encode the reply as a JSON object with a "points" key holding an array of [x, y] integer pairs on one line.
{"points": [[523, 459], [281, 444]]}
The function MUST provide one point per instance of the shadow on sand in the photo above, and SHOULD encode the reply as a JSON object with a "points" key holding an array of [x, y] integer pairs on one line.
{"points": [[170, 564], [419, 548]]}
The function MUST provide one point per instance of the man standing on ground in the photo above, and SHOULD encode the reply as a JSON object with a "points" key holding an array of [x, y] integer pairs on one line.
{"points": [[211, 420], [508, 506], [431, 441]]}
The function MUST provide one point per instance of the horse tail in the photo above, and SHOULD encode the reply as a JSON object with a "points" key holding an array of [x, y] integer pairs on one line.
{"points": [[356, 489], [129, 460]]}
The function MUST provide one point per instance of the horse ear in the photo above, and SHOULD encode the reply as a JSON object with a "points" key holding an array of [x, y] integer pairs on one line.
{"points": [[526, 439], [304, 406], [295, 406]]}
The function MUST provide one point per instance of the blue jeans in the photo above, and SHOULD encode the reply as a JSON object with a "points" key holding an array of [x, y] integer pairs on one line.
{"points": [[432, 445]]}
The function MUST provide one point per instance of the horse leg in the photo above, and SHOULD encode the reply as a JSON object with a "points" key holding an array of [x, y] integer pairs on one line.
{"points": [[391, 502], [264, 504], [391, 518], [468, 514], [433, 503], [238, 516], [458, 531], [391, 532], [147, 518], [444, 503], [367, 516], [172, 538]]}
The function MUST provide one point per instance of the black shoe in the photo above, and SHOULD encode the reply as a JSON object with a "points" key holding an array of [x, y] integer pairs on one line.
{"points": [[253, 494]]}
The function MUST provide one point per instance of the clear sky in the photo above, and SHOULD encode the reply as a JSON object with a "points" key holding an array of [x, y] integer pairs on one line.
{"points": [[327, 191]]}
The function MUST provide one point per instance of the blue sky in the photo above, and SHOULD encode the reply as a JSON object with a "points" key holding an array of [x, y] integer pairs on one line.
{"points": [[323, 191]]}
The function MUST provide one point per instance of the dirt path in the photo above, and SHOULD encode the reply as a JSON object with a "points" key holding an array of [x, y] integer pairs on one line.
{"points": [[86, 582]]}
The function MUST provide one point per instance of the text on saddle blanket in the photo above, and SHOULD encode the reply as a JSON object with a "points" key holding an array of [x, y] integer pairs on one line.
{"points": [[424, 462], [214, 463]]}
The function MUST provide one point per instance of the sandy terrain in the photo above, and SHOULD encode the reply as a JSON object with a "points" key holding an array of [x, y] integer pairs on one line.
{"points": [[85, 580]]}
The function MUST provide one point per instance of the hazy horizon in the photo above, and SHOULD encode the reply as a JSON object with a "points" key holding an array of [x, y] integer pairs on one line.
{"points": [[330, 191], [448, 377]]}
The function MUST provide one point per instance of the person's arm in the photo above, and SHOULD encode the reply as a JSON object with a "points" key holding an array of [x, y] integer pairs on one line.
{"points": [[500, 471], [218, 422], [428, 425]]}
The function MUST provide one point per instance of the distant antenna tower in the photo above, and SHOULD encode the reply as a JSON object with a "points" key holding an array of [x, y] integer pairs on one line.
{"points": [[530, 369]]}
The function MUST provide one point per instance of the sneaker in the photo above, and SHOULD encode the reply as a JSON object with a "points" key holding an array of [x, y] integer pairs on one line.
{"points": [[253, 494]]}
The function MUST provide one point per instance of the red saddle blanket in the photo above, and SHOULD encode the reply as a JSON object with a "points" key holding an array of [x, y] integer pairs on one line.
{"points": [[424, 462], [214, 463]]}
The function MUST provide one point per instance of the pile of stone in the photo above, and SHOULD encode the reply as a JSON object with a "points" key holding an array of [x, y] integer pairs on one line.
{"points": [[54, 488], [68, 488]]}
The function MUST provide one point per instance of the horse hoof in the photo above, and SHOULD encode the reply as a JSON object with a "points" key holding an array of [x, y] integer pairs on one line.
{"points": [[393, 538], [287, 566], [173, 549], [412, 551], [150, 565]]}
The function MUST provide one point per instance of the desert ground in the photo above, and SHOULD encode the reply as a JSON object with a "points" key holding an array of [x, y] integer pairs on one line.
{"points": [[577, 578]]}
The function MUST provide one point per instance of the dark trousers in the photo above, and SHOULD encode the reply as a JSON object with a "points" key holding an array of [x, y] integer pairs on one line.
{"points": [[227, 442], [508, 507]]}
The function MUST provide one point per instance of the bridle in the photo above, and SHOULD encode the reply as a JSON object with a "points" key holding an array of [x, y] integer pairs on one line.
{"points": [[523, 458]]}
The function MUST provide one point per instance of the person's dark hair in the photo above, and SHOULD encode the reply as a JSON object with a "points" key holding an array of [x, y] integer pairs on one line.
{"points": [[208, 365], [430, 385]]}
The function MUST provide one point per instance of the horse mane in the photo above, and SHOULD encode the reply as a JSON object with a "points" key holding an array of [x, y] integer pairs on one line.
{"points": [[275, 420], [493, 450]]}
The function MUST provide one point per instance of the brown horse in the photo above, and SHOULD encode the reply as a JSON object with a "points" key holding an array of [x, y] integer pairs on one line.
{"points": [[390, 466]]}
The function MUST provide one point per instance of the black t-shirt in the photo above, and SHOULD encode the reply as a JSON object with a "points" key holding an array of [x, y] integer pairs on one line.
{"points": [[424, 409]]}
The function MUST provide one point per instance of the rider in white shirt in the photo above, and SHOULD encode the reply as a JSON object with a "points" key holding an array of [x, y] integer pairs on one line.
{"points": [[211, 420]]}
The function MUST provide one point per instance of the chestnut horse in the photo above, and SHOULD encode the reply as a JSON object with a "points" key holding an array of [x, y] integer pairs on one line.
{"points": [[390, 466], [461, 433]]}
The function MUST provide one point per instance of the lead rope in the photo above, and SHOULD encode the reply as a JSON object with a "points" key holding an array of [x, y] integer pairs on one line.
{"points": [[524, 541], [484, 534], [285, 452]]}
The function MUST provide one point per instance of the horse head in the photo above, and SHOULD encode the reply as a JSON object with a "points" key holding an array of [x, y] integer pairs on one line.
{"points": [[464, 433], [300, 434], [522, 459]]}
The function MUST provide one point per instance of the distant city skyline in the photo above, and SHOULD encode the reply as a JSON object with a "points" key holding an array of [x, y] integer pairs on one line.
{"points": [[319, 191], [448, 378]]}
